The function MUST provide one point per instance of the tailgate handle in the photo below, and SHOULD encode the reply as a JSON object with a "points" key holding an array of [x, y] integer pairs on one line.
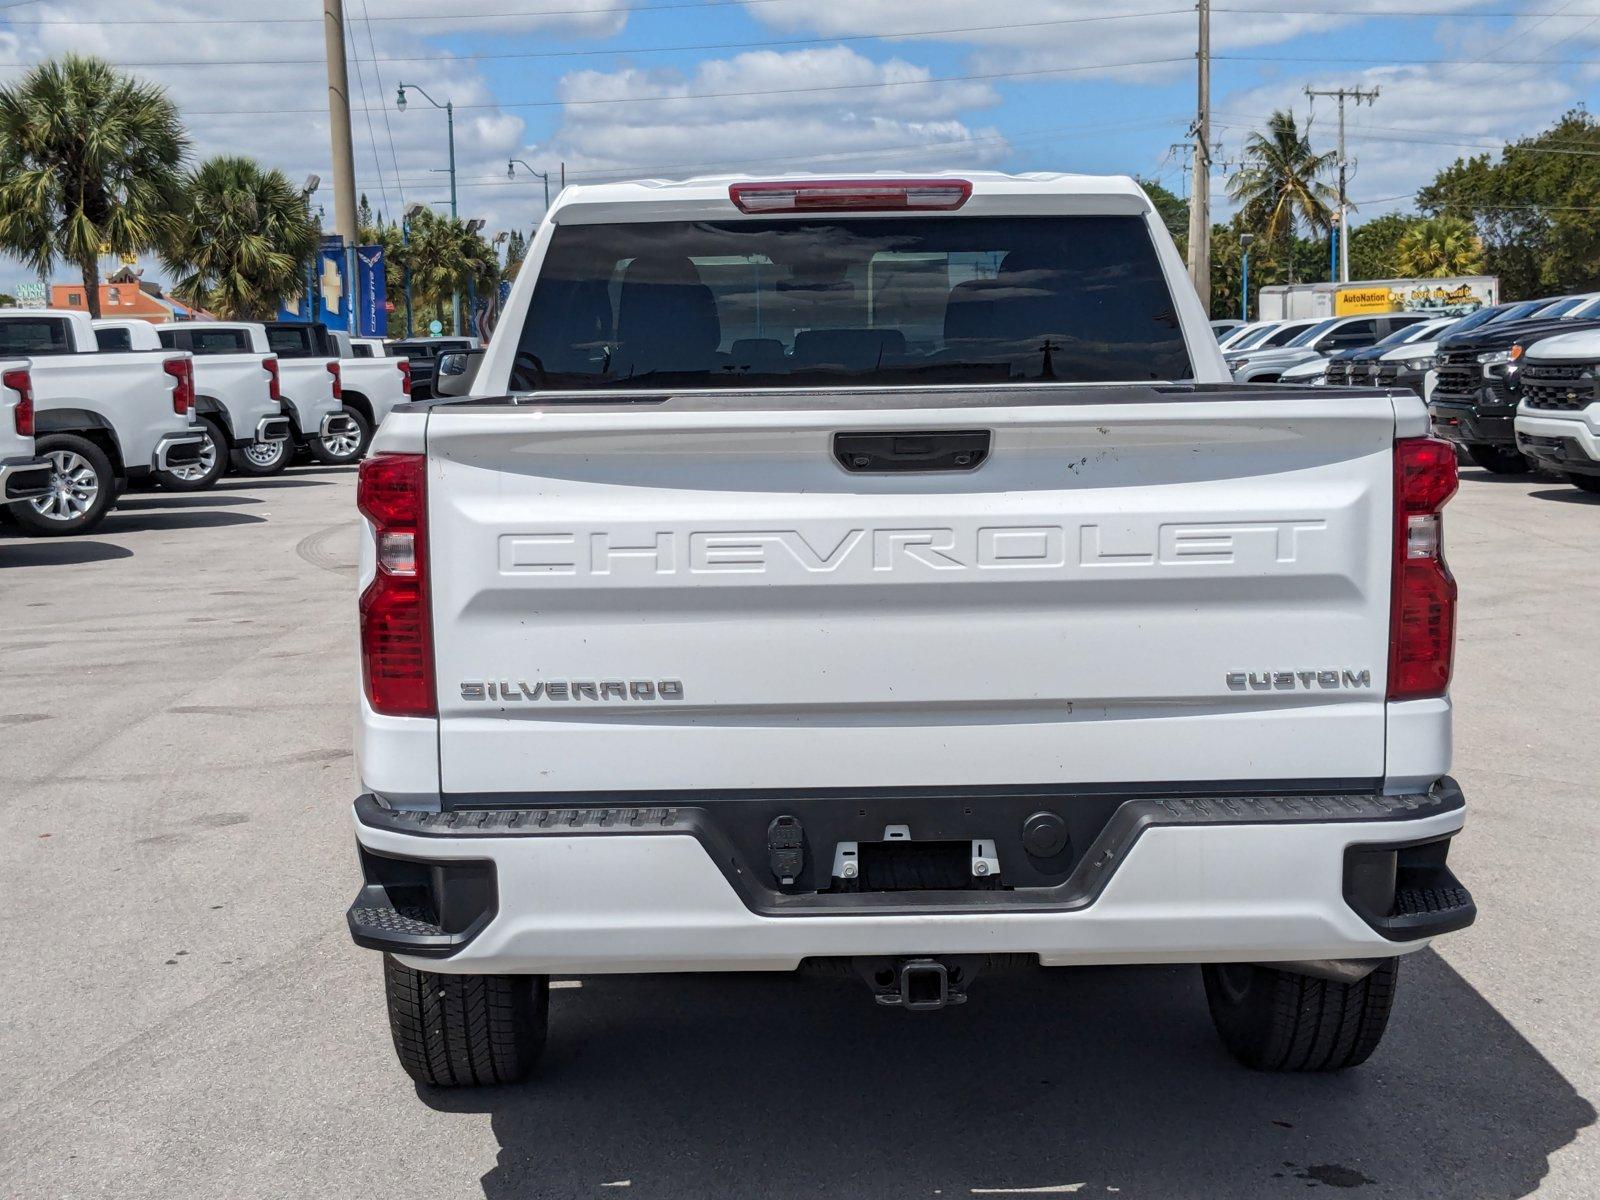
{"points": [[912, 450]]}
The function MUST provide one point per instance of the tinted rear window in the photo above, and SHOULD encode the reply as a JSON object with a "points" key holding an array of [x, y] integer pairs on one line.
{"points": [[793, 303], [113, 339], [289, 341], [34, 335], [219, 341]]}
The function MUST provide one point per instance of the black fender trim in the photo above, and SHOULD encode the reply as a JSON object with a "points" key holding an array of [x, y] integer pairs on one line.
{"points": [[80, 421]]}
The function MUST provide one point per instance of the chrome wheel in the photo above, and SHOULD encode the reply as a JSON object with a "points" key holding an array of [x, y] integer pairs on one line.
{"points": [[74, 487], [203, 466], [343, 444], [266, 454]]}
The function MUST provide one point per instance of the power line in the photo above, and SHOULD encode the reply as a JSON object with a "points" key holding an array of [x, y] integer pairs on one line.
{"points": [[372, 139], [394, 157]]}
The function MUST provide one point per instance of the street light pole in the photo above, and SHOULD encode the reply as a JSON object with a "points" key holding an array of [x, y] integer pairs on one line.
{"points": [[450, 128], [1244, 290], [511, 173], [405, 240]]}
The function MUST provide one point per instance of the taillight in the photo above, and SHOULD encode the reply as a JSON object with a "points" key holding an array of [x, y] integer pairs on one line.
{"points": [[854, 195], [1422, 615], [396, 628], [405, 376], [338, 381], [182, 372], [274, 389], [20, 382]]}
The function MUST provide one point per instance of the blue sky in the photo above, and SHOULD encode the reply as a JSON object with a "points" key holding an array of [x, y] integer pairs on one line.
{"points": [[621, 88]]}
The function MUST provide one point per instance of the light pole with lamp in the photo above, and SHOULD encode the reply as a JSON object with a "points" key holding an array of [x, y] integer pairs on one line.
{"points": [[313, 182], [405, 240], [474, 226], [450, 126], [511, 173], [1244, 289]]}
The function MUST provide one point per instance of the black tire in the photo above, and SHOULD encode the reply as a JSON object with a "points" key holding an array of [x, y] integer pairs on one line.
{"points": [[263, 458], [341, 452], [71, 509], [1273, 1020], [212, 467], [1497, 460], [466, 1030], [1588, 483]]}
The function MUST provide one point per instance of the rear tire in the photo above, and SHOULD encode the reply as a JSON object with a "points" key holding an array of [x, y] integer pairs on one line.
{"points": [[1587, 483], [213, 464], [1497, 460], [1273, 1020], [84, 488], [263, 458], [466, 1030], [338, 450]]}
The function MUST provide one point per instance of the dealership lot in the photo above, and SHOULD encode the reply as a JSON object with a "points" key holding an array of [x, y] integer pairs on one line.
{"points": [[186, 1015]]}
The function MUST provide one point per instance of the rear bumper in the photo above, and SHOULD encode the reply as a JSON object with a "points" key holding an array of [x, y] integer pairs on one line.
{"points": [[335, 422], [23, 479], [177, 450], [273, 429], [1560, 443], [1466, 425], [1241, 879]]}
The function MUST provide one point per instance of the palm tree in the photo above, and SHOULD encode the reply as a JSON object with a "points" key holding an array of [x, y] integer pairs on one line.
{"points": [[1438, 247], [89, 162], [1283, 182], [445, 257], [243, 240]]}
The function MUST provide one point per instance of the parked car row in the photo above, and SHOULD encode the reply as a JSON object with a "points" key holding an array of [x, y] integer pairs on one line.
{"points": [[94, 405], [1512, 385]]}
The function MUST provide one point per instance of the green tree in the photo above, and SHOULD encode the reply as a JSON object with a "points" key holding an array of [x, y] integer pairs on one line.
{"points": [[90, 164], [1536, 209], [1174, 211], [1438, 247], [243, 241], [445, 259], [1283, 185], [1372, 245]]}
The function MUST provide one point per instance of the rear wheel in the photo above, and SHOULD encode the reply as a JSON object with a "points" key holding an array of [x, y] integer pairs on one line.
{"points": [[263, 458], [1274, 1020], [346, 446], [1589, 483], [204, 471], [1498, 460], [82, 488], [466, 1030]]}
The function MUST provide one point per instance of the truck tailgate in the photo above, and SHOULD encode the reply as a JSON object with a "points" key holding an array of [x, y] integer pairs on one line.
{"points": [[696, 595]]}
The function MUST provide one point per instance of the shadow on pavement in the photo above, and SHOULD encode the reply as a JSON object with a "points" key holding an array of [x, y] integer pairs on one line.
{"points": [[1479, 475], [135, 519], [159, 499], [240, 483], [777, 1086], [1567, 495], [57, 552]]}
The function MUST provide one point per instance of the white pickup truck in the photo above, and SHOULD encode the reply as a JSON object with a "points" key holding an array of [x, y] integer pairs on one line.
{"points": [[374, 383], [236, 391], [24, 475], [884, 575], [102, 418], [309, 384], [1558, 418]]}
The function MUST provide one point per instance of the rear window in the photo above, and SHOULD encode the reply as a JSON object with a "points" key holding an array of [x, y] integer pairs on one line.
{"points": [[219, 341], [34, 335], [888, 301], [289, 341], [1284, 335], [113, 339]]}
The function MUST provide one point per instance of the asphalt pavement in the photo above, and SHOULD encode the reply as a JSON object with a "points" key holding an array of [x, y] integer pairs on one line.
{"points": [[185, 1016]]}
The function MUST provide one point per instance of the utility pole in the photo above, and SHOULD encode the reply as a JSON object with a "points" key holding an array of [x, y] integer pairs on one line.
{"points": [[344, 154], [1359, 95], [1200, 192]]}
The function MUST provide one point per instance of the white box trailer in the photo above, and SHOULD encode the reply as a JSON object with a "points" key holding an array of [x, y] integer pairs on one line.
{"points": [[1458, 295]]}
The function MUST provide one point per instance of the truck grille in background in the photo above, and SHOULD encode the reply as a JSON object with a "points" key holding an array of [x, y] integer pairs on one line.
{"points": [[1562, 388], [1459, 376], [1333, 374], [1388, 373]]}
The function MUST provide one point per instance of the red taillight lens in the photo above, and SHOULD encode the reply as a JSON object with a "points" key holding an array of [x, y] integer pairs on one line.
{"points": [[405, 376], [396, 626], [182, 372], [21, 383], [853, 195], [1422, 616], [274, 388], [338, 381]]}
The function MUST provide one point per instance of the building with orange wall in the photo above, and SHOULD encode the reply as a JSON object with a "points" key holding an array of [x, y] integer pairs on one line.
{"points": [[127, 298]]}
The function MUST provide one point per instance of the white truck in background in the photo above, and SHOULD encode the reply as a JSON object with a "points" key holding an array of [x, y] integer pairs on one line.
{"points": [[310, 388], [24, 475], [1558, 417], [374, 383], [236, 391], [883, 575], [102, 418]]}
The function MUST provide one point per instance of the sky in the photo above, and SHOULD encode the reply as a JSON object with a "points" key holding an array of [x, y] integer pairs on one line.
{"points": [[616, 89]]}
